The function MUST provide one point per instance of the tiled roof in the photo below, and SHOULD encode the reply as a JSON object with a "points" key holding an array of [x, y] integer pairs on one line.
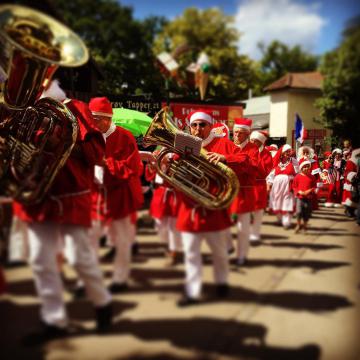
{"points": [[305, 80]]}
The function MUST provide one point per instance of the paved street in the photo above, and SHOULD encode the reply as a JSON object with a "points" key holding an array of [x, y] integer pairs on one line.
{"points": [[297, 298]]}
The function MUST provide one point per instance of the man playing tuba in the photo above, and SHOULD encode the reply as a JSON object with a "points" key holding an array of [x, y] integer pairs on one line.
{"points": [[196, 222]]}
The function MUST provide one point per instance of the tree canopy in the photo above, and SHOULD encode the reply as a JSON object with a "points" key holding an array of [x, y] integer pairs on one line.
{"points": [[340, 104], [119, 44], [209, 31], [279, 59]]}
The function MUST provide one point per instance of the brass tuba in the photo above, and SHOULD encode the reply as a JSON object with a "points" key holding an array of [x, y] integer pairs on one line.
{"points": [[36, 135], [212, 186]]}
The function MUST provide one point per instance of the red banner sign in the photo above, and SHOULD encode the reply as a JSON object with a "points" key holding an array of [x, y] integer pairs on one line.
{"points": [[221, 113]]}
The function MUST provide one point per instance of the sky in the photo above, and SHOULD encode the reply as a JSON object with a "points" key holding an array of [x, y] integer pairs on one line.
{"points": [[315, 25]]}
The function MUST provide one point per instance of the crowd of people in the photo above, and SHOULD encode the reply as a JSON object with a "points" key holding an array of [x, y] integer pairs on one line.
{"points": [[98, 192]]}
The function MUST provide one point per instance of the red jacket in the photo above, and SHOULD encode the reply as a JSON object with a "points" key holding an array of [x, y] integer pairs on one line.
{"points": [[263, 170], [303, 182], [121, 192], [69, 198], [245, 201]]}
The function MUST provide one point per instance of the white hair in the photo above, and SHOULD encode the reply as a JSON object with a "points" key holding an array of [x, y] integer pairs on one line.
{"points": [[54, 91], [300, 153]]}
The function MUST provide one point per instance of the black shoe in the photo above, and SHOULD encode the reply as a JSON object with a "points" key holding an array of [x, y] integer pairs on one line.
{"points": [[79, 293], [222, 290], [104, 316], [117, 288], [109, 256], [187, 301], [135, 249], [48, 332]]}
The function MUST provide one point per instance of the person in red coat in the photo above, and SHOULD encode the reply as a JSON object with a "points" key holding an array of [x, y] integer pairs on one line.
{"points": [[351, 171], [308, 153], [281, 198], [164, 209], [245, 202], [196, 223], [65, 213], [117, 193], [334, 171], [303, 186], [261, 195]]}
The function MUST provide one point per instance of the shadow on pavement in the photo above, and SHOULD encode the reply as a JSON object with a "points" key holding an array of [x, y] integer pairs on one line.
{"points": [[310, 246], [314, 265], [21, 322]]}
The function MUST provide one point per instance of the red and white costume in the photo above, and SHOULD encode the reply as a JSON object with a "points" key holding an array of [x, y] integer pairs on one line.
{"points": [[334, 170], [196, 223], [164, 209], [245, 202], [117, 191], [315, 171], [65, 213], [281, 199], [263, 169], [351, 169]]}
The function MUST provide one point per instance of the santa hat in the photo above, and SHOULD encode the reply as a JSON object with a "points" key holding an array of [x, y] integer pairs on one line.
{"points": [[337, 151], [327, 154], [101, 106], [285, 147], [278, 154], [220, 130], [303, 162], [200, 114], [54, 91], [242, 123], [259, 135]]}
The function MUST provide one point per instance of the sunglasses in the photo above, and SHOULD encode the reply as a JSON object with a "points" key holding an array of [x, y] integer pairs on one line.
{"points": [[201, 125]]}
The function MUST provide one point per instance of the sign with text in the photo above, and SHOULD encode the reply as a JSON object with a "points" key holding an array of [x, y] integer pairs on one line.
{"points": [[221, 113]]}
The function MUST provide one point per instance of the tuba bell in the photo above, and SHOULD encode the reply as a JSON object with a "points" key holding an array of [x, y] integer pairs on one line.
{"points": [[211, 186], [36, 135]]}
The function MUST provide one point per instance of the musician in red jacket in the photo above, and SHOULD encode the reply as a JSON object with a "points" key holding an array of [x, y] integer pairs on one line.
{"points": [[245, 203], [164, 208], [65, 214], [197, 223], [261, 195], [117, 193]]}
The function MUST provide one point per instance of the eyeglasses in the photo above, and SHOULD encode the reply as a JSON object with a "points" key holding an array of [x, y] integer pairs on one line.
{"points": [[201, 125]]}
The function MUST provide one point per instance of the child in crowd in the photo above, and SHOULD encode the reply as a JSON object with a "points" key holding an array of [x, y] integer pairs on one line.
{"points": [[304, 185]]}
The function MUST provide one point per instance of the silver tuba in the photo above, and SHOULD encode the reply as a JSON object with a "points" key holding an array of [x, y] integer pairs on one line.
{"points": [[36, 135], [212, 186]]}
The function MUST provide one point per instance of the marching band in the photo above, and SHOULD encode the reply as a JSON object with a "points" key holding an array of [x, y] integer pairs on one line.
{"points": [[98, 191]]}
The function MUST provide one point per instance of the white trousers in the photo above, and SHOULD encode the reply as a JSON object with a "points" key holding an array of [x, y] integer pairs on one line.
{"points": [[256, 225], [120, 234], [243, 225], [43, 248], [168, 233], [217, 242]]}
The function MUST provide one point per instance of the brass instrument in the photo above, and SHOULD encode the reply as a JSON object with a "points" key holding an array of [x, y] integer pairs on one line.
{"points": [[36, 135], [212, 186]]}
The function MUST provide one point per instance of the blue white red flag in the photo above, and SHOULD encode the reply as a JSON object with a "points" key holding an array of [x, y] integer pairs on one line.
{"points": [[300, 131]]}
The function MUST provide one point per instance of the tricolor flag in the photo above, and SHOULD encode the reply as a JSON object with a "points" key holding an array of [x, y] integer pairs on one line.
{"points": [[300, 131]]}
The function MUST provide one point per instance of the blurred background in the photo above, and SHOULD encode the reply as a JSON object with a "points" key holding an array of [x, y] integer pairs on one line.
{"points": [[245, 55]]}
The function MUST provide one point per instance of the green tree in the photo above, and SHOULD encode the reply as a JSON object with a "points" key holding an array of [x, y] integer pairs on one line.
{"points": [[120, 45], [340, 104], [231, 74], [279, 59]]}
